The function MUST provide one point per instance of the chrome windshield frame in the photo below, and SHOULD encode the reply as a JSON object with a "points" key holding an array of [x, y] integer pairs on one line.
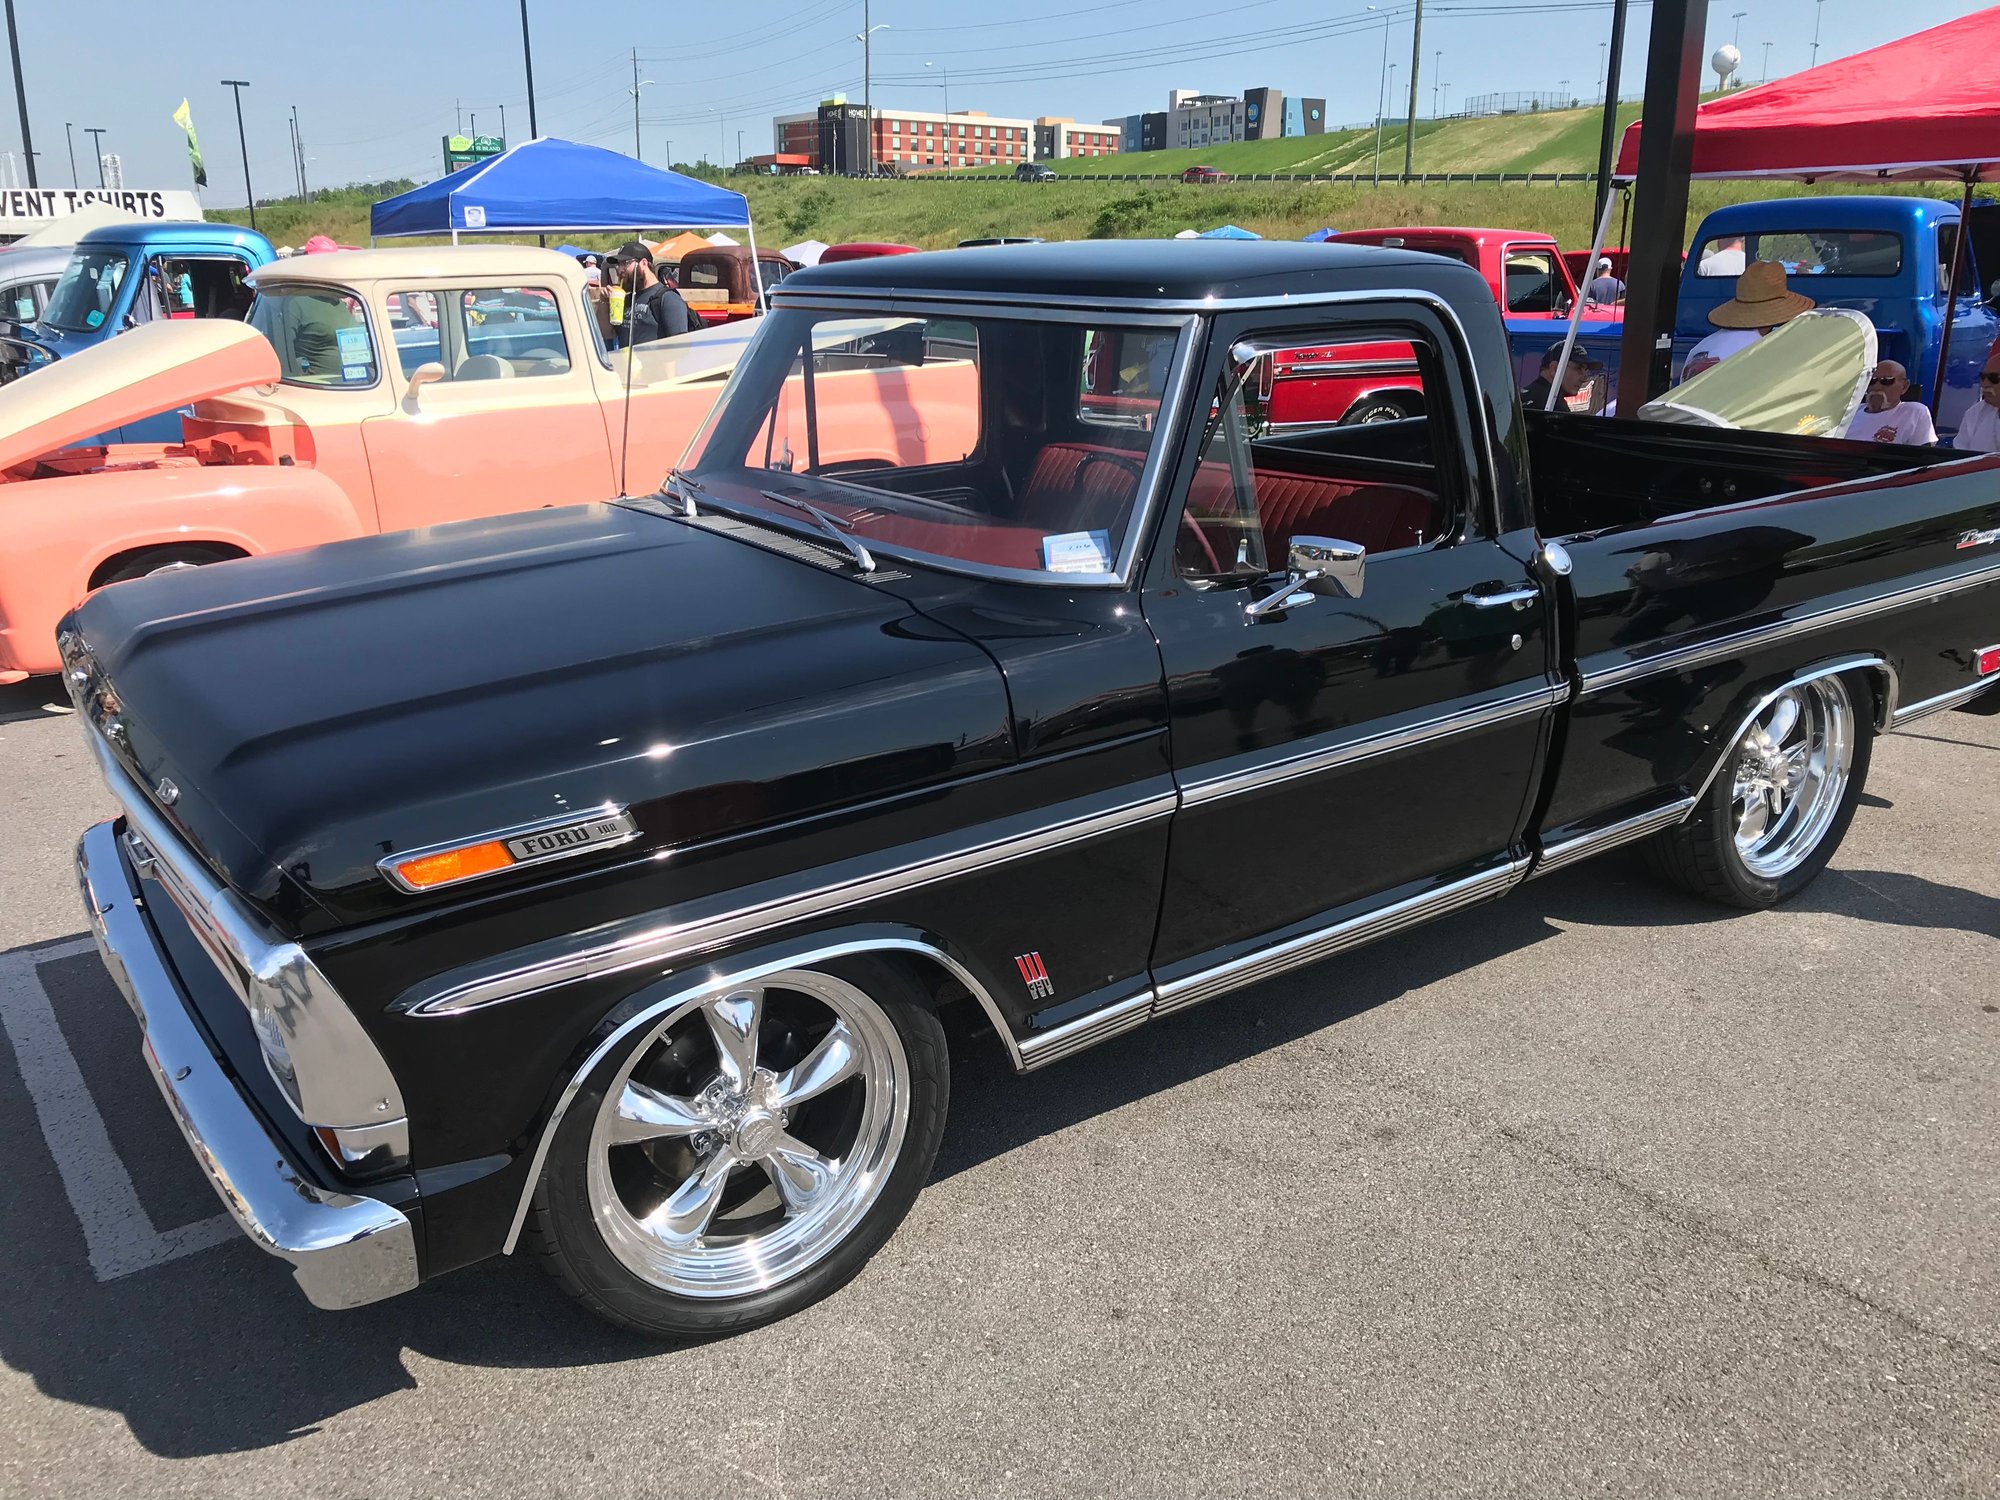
{"points": [[1186, 325]]}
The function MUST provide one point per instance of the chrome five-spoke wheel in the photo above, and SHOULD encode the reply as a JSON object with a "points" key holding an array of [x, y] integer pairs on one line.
{"points": [[746, 1148], [1791, 770]]}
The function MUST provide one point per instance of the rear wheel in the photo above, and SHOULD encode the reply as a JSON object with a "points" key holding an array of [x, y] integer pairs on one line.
{"points": [[1782, 801], [745, 1154], [1374, 409]]}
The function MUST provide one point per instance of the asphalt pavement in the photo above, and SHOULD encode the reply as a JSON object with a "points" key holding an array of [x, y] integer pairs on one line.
{"points": [[1596, 1190]]}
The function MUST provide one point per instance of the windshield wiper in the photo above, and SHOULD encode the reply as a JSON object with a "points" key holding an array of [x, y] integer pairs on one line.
{"points": [[863, 559], [689, 485]]}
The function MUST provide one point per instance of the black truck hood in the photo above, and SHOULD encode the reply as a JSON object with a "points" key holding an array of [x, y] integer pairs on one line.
{"points": [[319, 710]]}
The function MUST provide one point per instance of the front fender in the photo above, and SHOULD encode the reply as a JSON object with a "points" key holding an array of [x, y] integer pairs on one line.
{"points": [[58, 531]]}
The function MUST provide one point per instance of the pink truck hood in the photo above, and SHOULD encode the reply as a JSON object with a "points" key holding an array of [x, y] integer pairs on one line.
{"points": [[138, 374]]}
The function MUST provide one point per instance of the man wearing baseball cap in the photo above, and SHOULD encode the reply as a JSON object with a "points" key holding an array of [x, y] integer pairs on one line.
{"points": [[654, 310], [1576, 375], [1762, 302]]}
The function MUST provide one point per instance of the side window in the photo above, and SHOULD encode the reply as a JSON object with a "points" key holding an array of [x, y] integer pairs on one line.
{"points": [[320, 333], [1318, 433], [198, 286], [1124, 376], [482, 333], [1532, 283]]}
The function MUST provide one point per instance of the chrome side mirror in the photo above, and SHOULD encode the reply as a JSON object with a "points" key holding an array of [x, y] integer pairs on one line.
{"points": [[1316, 566], [1329, 566], [423, 375]]}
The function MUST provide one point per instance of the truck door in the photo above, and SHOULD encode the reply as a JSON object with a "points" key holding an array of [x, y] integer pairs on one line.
{"points": [[510, 420], [1340, 754]]}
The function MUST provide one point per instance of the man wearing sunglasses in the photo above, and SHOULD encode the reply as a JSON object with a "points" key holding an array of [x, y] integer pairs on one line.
{"points": [[1980, 431], [1888, 418]]}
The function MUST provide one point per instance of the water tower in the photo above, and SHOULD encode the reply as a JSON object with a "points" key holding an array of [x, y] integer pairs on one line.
{"points": [[1725, 60]]}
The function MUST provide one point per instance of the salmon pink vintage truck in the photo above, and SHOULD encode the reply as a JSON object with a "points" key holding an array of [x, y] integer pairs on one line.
{"points": [[370, 391]]}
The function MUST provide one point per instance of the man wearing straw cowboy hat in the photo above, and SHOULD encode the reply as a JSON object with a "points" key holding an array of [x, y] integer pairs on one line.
{"points": [[1762, 302]]}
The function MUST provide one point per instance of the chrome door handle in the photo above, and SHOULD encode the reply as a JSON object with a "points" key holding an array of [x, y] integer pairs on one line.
{"points": [[1519, 598]]}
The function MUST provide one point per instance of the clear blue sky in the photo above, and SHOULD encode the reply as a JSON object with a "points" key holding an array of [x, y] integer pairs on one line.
{"points": [[376, 83]]}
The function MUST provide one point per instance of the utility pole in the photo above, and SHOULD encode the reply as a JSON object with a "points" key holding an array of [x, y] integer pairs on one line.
{"points": [[299, 140], [458, 117], [1437, 83], [1410, 125], [1607, 141], [503, 122], [242, 142], [637, 153], [1381, 97], [69, 129], [528, 60], [1819, 13], [96, 134], [21, 94], [1767, 64], [739, 148], [292, 126]]}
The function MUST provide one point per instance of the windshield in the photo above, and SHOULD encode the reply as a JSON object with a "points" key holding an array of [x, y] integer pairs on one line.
{"points": [[89, 286], [320, 334], [998, 444]]}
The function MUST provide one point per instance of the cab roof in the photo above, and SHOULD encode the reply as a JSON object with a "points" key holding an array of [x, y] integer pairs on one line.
{"points": [[1183, 274], [166, 233], [420, 263]]}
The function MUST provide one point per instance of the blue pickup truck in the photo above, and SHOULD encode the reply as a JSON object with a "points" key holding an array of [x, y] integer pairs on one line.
{"points": [[122, 275], [1888, 258]]}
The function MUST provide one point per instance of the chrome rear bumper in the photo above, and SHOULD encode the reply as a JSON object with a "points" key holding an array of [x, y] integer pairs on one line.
{"points": [[345, 1251]]}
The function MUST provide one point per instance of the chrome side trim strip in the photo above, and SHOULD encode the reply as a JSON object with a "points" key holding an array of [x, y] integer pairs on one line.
{"points": [[684, 993], [1943, 701], [1567, 852], [1764, 635], [672, 940], [1288, 766], [1311, 947], [1086, 1031]]}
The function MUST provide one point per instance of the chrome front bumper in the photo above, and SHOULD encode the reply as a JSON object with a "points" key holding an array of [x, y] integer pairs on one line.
{"points": [[345, 1251]]}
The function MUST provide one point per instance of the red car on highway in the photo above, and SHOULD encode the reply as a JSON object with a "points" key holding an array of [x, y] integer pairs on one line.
{"points": [[1204, 174]]}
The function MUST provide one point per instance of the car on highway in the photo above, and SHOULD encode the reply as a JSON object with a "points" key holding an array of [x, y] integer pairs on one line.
{"points": [[981, 242], [1034, 171], [1204, 174], [591, 880]]}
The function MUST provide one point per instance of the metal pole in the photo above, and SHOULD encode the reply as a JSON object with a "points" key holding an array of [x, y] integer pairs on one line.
{"points": [[1767, 63], [96, 134], [1436, 85], [299, 135], [458, 118], [637, 153], [292, 129], [503, 122], [1410, 124], [1819, 12], [21, 95], [69, 128], [1951, 293], [1607, 140], [528, 61], [243, 144], [867, 89], [1576, 309], [1659, 218], [1381, 100]]}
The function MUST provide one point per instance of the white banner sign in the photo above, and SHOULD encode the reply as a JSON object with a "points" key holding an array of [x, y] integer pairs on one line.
{"points": [[24, 210]]}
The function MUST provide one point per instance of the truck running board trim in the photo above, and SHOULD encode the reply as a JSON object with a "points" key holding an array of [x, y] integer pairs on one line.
{"points": [[1625, 831], [1311, 947], [1086, 1031], [1942, 701]]}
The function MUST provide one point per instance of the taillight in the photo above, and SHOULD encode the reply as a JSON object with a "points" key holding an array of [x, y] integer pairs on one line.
{"points": [[1986, 660]]}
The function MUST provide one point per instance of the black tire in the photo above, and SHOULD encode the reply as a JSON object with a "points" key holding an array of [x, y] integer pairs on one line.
{"points": [[1701, 855], [563, 1223], [163, 560], [1374, 409]]}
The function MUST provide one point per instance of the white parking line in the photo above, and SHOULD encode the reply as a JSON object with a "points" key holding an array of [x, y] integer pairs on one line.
{"points": [[116, 1228]]}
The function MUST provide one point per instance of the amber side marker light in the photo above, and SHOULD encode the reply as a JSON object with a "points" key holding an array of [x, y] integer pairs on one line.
{"points": [[428, 870]]}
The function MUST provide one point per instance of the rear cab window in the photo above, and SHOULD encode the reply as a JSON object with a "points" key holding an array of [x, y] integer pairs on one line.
{"points": [[1805, 252], [480, 333]]}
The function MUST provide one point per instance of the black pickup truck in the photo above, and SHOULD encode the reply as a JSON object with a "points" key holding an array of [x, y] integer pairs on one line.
{"points": [[593, 879]]}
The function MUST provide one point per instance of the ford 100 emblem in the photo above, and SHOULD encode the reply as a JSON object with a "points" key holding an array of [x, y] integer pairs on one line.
{"points": [[547, 842]]}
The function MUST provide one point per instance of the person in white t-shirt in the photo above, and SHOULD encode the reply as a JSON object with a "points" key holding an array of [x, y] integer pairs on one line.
{"points": [[1886, 417], [1980, 431], [1723, 258], [1762, 302]]}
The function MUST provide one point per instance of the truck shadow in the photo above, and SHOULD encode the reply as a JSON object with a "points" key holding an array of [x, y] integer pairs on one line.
{"points": [[217, 1352], [37, 698]]}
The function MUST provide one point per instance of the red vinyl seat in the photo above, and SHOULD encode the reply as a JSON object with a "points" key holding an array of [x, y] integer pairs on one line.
{"points": [[1371, 513], [1081, 487]]}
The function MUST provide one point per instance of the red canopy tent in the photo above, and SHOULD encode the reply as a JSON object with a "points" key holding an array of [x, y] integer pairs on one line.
{"points": [[1920, 109]]}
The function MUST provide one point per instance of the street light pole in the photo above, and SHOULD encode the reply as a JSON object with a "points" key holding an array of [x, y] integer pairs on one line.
{"points": [[528, 61], [1607, 140], [637, 153], [945, 73], [503, 122], [242, 142], [69, 129], [1767, 63], [1381, 98], [1736, 36], [299, 145], [1819, 13], [96, 134], [21, 94], [1437, 62]]}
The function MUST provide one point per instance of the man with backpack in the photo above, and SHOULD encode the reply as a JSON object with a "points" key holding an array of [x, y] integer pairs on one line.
{"points": [[653, 310]]}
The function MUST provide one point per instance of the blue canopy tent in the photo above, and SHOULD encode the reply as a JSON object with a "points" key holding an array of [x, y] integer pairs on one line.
{"points": [[1318, 236], [550, 186], [1229, 232]]}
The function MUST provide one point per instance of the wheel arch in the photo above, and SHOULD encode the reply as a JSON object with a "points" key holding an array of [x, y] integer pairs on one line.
{"points": [[230, 547], [1880, 671], [930, 960]]}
